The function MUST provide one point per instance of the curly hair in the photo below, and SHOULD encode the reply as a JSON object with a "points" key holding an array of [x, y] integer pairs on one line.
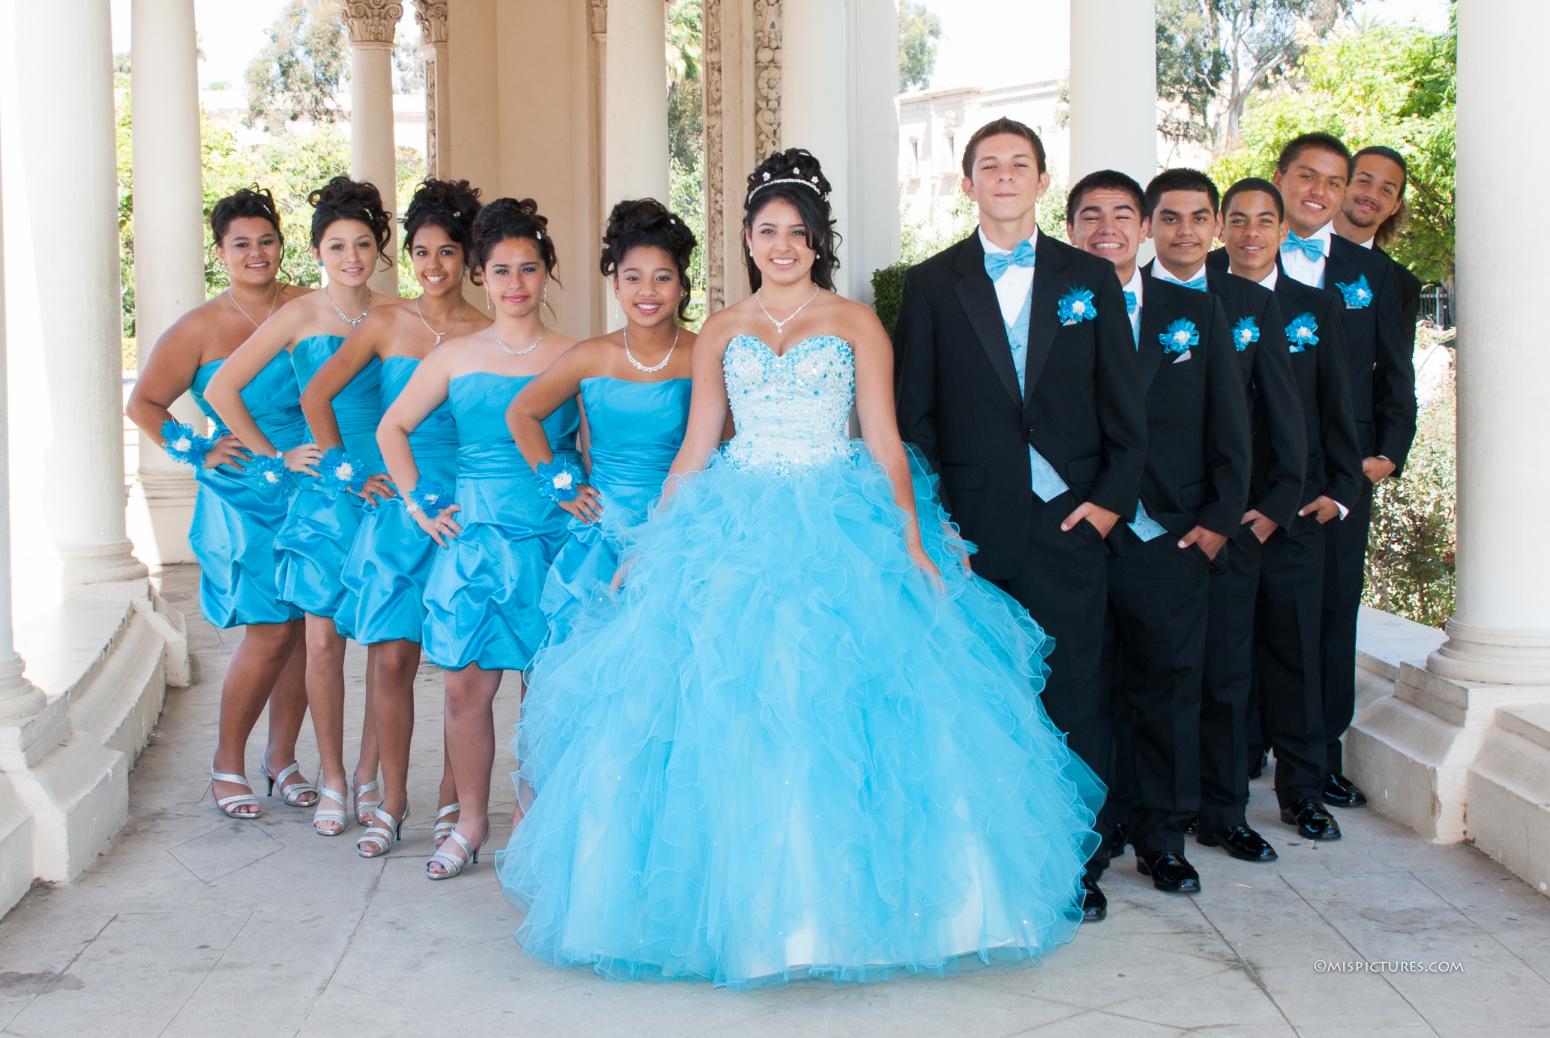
{"points": [[506, 218], [345, 199], [646, 222], [253, 202], [795, 176]]}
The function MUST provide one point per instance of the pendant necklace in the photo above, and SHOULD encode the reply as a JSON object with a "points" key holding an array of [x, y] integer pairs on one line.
{"points": [[272, 304], [659, 365], [780, 325], [439, 335]]}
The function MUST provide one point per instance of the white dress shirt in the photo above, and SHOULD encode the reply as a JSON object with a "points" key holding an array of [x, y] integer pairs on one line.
{"points": [[1012, 287], [1299, 266]]}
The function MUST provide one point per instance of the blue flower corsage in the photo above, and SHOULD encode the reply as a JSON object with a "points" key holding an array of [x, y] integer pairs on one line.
{"points": [[1076, 306], [429, 497], [1181, 336], [340, 470], [1244, 334], [1302, 333], [1358, 293], [560, 479], [183, 444], [270, 473]]}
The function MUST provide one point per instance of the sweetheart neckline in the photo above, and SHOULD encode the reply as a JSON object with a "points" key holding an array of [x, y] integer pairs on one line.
{"points": [[794, 346]]}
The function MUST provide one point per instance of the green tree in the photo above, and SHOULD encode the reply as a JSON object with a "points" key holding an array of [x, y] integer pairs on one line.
{"points": [[1213, 55], [919, 34], [298, 72], [408, 63], [685, 135], [1391, 85]]}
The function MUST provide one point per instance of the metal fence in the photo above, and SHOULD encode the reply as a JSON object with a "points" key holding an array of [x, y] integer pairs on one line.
{"points": [[1437, 305]]}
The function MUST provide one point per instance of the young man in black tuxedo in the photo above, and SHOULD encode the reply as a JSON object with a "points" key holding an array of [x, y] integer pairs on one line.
{"points": [[1288, 613], [1371, 210], [1183, 204], [1193, 490], [1311, 173], [1016, 377]]}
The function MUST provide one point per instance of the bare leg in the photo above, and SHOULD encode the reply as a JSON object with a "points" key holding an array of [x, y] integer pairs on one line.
{"points": [[325, 695], [446, 797], [368, 762], [250, 677], [392, 666], [287, 710], [471, 743]]}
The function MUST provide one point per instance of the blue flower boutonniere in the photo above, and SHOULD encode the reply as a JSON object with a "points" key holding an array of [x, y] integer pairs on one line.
{"points": [[270, 473], [1076, 306], [429, 497], [1180, 338], [183, 444], [1302, 333], [341, 470], [1358, 293], [1244, 334], [560, 479]]}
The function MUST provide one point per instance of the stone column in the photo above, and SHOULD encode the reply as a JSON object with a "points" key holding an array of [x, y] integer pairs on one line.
{"points": [[815, 97], [635, 102], [371, 24], [432, 16], [63, 251], [169, 243], [1113, 87], [1500, 631]]}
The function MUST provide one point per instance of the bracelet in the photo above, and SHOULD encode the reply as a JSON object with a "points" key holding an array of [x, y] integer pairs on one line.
{"points": [[428, 497], [270, 473], [560, 479], [183, 444], [341, 470]]}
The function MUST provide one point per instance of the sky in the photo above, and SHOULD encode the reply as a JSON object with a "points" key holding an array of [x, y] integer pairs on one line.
{"points": [[985, 43]]}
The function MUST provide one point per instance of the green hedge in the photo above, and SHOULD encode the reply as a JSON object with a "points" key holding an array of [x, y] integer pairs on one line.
{"points": [[888, 293]]}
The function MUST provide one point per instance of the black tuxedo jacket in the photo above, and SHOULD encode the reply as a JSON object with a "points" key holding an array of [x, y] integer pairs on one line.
{"points": [[1275, 411], [1197, 420], [958, 400]]}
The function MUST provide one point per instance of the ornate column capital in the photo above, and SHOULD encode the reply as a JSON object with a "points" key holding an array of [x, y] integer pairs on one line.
{"points": [[766, 77], [432, 16], [373, 21], [597, 18]]}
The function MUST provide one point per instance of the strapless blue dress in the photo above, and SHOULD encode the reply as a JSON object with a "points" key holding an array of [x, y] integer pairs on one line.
{"points": [[384, 577], [481, 599], [235, 521], [780, 750], [635, 430], [320, 529]]}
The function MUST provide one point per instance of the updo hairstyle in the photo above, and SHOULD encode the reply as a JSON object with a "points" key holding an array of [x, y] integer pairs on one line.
{"points": [[452, 205], [506, 218], [794, 175], [255, 202], [645, 221], [345, 199]]}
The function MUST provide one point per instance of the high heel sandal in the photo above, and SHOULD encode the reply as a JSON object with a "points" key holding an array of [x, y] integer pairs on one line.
{"points": [[451, 865], [365, 809], [329, 814], [296, 793], [442, 828], [228, 805], [381, 835]]}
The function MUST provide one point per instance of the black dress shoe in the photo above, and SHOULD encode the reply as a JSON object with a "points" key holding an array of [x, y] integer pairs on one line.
{"points": [[1340, 791], [1115, 847], [1169, 872], [1311, 820], [1257, 765], [1095, 907], [1192, 826], [1240, 841]]}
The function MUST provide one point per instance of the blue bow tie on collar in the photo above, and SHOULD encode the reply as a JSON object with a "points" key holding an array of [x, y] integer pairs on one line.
{"points": [[1198, 284], [997, 263], [1313, 248], [1130, 301]]}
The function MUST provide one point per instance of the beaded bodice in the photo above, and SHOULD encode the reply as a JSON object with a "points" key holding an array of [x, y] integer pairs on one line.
{"points": [[790, 409]]}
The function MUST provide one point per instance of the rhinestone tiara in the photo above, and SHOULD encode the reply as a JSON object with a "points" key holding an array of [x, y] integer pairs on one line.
{"points": [[811, 184]]}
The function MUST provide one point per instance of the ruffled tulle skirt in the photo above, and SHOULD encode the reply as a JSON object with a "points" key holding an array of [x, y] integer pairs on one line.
{"points": [[589, 558], [233, 537], [312, 547], [782, 751]]}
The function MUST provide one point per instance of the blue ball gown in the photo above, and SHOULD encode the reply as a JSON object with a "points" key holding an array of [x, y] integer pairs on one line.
{"points": [[780, 751], [385, 575], [235, 520], [634, 431], [481, 599], [320, 529]]}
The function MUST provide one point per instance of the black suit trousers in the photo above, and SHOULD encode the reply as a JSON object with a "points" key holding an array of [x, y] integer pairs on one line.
{"points": [[1345, 565], [1288, 660], [1227, 679]]}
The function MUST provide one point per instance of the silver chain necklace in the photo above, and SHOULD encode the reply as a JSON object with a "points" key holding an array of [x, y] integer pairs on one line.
{"points": [[780, 325], [440, 335], [272, 304], [659, 365], [353, 322], [524, 351]]}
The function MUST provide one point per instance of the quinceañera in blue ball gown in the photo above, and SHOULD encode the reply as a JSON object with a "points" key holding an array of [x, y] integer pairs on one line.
{"points": [[781, 750]]}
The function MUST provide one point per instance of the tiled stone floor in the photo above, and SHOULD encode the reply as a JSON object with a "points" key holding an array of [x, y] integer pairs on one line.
{"points": [[195, 925]]}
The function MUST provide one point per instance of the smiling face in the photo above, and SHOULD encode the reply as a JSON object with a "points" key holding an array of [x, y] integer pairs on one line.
{"points": [[648, 285], [514, 275], [1108, 223], [778, 239], [1312, 187], [1252, 230], [348, 251], [1183, 226], [250, 251], [1005, 183], [437, 261], [1374, 194]]}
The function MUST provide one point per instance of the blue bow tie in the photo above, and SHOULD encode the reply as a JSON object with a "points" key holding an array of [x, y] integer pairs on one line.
{"points": [[1130, 301], [996, 263], [1198, 284], [1312, 248]]}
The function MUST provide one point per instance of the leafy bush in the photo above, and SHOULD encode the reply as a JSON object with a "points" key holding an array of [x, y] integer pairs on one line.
{"points": [[888, 293]]}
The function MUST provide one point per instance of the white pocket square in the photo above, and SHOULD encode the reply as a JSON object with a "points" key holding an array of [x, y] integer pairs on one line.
{"points": [[1181, 358]]}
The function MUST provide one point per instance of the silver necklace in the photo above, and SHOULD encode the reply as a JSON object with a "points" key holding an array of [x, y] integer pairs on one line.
{"points": [[272, 304], [780, 326], [440, 335], [524, 351], [353, 322], [659, 365]]}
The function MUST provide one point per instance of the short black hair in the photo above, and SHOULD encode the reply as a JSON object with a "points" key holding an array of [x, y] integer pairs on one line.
{"points": [[1303, 141], [254, 202], [1181, 178], [506, 218], [999, 126], [1104, 180], [1248, 184], [645, 221], [796, 176]]}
